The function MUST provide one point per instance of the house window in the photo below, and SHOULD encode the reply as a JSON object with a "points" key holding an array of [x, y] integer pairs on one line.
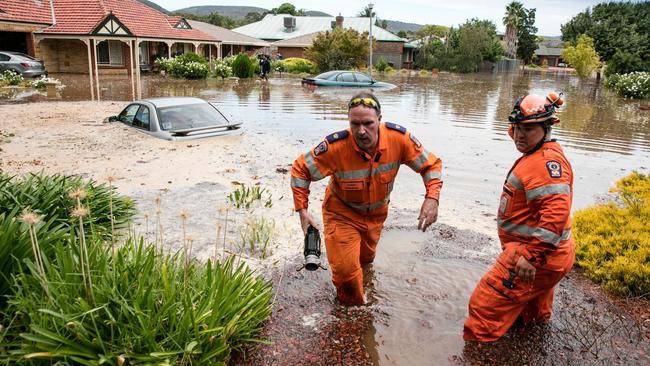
{"points": [[110, 53]]}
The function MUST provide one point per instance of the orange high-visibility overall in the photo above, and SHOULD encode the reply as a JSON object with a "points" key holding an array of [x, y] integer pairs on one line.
{"points": [[356, 199], [533, 221]]}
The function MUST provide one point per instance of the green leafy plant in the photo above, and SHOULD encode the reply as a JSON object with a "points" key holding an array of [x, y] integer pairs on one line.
{"points": [[613, 239], [222, 69], [631, 85], [11, 77], [245, 196], [339, 49], [188, 66], [149, 309], [242, 66], [49, 197], [297, 65], [382, 65], [256, 235], [279, 66], [582, 56]]}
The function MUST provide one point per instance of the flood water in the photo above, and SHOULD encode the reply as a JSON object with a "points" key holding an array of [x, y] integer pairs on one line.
{"points": [[419, 286]]}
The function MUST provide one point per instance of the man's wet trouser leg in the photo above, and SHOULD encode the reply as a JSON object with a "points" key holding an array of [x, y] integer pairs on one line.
{"points": [[351, 241], [494, 307]]}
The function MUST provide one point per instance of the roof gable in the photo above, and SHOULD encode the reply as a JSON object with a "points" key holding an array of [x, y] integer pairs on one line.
{"points": [[182, 24], [112, 26]]}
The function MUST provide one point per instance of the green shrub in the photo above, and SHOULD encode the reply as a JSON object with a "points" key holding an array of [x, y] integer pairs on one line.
{"points": [[613, 239], [625, 63], [296, 65], [256, 235], [242, 66], [147, 309], [279, 66], [187, 66], [48, 196], [632, 85], [222, 69], [382, 65], [245, 196], [191, 57], [11, 77]]}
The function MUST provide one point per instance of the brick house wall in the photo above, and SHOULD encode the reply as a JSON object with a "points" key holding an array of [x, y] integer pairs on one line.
{"points": [[391, 51], [71, 56], [292, 52]]}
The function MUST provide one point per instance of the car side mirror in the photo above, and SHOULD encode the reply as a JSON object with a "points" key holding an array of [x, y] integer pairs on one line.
{"points": [[111, 119], [373, 81]]}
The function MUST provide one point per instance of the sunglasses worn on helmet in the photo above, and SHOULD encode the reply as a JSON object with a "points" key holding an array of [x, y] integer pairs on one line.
{"points": [[368, 102]]}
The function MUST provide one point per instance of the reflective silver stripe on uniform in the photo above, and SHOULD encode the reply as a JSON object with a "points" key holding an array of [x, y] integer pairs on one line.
{"points": [[540, 233], [361, 206], [301, 183], [390, 186], [516, 182], [547, 191], [416, 164], [311, 164], [431, 175], [362, 173]]}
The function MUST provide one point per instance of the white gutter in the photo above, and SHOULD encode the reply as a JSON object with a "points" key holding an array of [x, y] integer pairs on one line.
{"points": [[52, 8]]}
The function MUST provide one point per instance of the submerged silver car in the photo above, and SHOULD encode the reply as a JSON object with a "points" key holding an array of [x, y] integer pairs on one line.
{"points": [[176, 118]]}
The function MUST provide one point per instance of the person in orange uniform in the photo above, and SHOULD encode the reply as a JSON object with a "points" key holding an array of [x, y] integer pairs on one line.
{"points": [[534, 228], [362, 162]]}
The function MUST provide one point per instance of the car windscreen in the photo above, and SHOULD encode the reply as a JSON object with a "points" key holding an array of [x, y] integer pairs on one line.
{"points": [[182, 117]]}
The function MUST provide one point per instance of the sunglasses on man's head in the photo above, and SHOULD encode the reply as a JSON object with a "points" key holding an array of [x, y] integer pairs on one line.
{"points": [[368, 102]]}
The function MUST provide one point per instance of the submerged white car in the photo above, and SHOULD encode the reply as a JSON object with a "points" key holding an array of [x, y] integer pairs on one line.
{"points": [[175, 118]]}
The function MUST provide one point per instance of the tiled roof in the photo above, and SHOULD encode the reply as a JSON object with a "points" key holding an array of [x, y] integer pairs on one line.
{"points": [[272, 27], [83, 16], [226, 35], [29, 11]]}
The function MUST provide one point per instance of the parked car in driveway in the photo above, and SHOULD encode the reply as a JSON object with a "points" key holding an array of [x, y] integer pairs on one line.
{"points": [[175, 118], [23, 64], [345, 78]]}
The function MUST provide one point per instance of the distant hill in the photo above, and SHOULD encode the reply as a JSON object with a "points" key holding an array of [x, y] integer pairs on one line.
{"points": [[155, 6], [395, 26], [235, 12]]}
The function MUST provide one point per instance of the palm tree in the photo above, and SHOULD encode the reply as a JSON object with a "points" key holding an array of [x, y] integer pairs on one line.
{"points": [[365, 13], [514, 14]]}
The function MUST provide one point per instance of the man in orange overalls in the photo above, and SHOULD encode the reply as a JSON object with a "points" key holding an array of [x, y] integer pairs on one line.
{"points": [[362, 162], [534, 228]]}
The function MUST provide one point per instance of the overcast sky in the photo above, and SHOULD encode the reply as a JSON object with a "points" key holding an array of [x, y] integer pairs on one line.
{"points": [[550, 13]]}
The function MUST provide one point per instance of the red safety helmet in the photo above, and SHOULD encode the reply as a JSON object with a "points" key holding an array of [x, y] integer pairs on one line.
{"points": [[536, 109]]}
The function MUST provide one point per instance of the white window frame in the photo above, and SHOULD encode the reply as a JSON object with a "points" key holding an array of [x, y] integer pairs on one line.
{"points": [[115, 53]]}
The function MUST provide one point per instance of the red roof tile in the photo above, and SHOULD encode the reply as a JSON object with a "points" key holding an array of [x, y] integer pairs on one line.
{"points": [[83, 16], [29, 11]]}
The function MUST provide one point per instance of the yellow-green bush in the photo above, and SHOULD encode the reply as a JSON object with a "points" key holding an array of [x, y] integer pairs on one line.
{"points": [[613, 239], [297, 65]]}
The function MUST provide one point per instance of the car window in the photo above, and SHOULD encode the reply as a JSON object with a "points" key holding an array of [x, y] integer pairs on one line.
{"points": [[346, 77], [23, 57], [190, 116], [326, 75], [142, 118], [4, 57], [362, 78], [128, 113]]}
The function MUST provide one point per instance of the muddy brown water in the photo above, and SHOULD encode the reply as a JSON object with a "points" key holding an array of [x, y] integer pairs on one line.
{"points": [[420, 283]]}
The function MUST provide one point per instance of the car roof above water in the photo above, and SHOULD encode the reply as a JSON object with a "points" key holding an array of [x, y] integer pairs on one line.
{"points": [[173, 101]]}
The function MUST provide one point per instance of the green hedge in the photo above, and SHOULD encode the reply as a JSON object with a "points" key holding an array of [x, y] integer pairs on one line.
{"points": [[632, 85], [613, 239]]}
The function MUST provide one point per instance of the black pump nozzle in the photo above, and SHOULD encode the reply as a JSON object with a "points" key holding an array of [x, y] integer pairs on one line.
{"points": [[312, 250]]}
